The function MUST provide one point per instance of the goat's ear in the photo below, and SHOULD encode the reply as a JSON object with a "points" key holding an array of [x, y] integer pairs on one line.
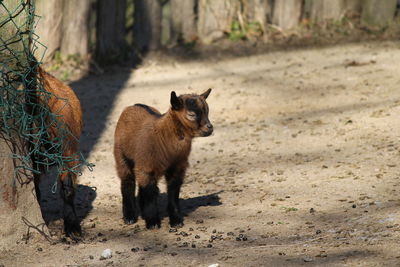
{"points": [[176, 103], [206, 93]]}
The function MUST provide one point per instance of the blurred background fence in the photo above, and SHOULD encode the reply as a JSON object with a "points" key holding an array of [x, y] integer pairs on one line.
{"points": [[107, 31]]}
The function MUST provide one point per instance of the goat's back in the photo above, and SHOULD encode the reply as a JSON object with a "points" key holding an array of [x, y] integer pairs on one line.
{"points": [[135, 123]]}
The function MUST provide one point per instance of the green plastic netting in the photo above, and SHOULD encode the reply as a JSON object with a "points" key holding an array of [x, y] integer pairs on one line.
{"points": [[24, 121]]}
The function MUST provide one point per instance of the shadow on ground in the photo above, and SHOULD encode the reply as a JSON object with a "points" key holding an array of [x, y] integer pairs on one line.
{"points": [[51, 202], [92, 92], [189, 205]]}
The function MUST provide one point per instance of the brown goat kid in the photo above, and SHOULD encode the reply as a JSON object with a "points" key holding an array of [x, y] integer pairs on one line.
{"points": [[149, 145], [63, 102]]}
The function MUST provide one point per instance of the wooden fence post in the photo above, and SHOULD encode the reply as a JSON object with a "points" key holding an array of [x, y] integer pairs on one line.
{"points": [[75, 28], [215, 18], [287, 13], [322, 10], [49, 27], [182, 20], [257, 11], [353, 6], [378, 13], [110, 32], [147, 25]]}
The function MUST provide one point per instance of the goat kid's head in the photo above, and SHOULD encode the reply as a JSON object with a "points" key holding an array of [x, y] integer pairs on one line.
{"points": [[192, 112]]}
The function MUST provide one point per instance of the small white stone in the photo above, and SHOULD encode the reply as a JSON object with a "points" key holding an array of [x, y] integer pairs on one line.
{"points": [[107, 254], [214, 265]]}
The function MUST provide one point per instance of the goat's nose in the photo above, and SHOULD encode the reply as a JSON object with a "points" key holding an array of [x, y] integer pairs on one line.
{"points": [[209, 126]]}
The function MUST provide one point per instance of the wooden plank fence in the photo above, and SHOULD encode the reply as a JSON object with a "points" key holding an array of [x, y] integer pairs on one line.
{"points": [[158, 23]]}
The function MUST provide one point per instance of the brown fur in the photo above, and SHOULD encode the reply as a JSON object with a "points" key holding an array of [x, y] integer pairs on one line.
{"points": [[63, 101], [149, 145], [153, 143]]}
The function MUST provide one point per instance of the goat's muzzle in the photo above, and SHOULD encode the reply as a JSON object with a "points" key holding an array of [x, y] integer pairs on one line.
{"points": [[209, 130]]}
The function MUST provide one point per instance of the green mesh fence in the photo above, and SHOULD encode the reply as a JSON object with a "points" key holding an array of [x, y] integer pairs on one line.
{"points": [[24, 119]]}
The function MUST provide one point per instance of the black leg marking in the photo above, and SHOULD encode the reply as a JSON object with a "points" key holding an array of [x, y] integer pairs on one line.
{"points": [[128, 199], [148, 197], [174, 178], [72, 225], [174, 209]]}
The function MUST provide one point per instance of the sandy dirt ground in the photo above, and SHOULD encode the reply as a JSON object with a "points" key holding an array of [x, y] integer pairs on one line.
{"points": [[302, 169]]}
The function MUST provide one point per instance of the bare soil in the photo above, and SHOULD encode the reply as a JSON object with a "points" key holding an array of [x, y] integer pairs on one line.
{"points": [[302, 170]]}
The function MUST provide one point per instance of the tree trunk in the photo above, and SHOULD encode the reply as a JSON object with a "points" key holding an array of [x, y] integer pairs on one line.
{"points": [[257, 11], [111, 44], [183, 24], [75, 32], [147, 25], [327, 9], [16, 200], [215, 18], [49, 28], [287, 13], [377, 12]]}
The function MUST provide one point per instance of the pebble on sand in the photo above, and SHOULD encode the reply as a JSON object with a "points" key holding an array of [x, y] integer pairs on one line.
{"points": [[107, 254]]}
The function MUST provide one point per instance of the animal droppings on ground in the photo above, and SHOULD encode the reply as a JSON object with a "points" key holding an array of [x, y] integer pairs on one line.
{"points": [[302, 168]]}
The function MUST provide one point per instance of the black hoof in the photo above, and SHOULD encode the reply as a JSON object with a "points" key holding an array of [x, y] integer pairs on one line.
{"points": [[76, 237], [130, 221], [152, 227], [176, 221], [176, 225], [73, 230], [153, 223]]}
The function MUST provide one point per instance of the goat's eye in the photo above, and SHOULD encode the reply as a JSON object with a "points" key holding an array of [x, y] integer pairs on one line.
{"points": [[191, 116]]}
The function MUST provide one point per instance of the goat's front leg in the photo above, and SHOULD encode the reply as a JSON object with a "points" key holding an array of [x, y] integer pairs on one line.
{"points": [[175, 175], [148, 199], [72, 225]]}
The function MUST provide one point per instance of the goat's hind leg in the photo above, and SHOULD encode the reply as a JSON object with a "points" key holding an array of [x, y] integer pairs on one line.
{"points": [[72, 225], [128, 199], [125, 169]]}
